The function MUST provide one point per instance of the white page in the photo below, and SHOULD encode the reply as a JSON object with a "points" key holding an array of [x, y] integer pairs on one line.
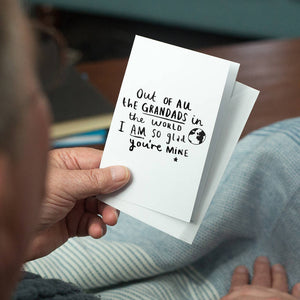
{"points": [[190, 86], [217, 134], [238, 111]]}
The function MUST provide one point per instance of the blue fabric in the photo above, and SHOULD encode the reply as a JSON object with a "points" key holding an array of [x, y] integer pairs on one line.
{"points": [[33, 287], [255, 211]]}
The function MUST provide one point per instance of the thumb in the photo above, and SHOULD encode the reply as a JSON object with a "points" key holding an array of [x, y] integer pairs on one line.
{"points": [[80, 184]]}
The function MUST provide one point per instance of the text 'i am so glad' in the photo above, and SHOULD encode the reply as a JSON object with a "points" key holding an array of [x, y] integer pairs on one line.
{"points": [[157, 124]]}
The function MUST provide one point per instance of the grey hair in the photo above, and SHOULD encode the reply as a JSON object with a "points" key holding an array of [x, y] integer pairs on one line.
{"points": [[10, 102]]}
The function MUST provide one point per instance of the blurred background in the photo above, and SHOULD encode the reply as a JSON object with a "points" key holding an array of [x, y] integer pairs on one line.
{"points": [[100, 29], [84, 45]]}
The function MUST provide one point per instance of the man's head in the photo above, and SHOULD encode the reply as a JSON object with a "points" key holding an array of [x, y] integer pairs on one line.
{"points": [[24, 121]]}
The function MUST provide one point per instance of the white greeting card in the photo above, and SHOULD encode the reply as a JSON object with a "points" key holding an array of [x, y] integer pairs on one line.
{"points": [[175, 126], [164, 121], [236, 115]]}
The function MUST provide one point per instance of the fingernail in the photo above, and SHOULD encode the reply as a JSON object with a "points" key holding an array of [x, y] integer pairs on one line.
{"points": [[119, 173], [278, 268], [241, 269], [262, 259], [117, 213]]}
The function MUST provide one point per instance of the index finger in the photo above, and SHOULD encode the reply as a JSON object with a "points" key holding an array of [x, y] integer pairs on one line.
{"points": [[78, 158]]}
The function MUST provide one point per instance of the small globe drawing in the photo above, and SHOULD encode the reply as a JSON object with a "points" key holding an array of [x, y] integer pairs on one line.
{"points": [[197, 136]]}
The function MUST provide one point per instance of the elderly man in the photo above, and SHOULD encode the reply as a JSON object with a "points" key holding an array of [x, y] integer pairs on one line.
{"points": [[46, 198], [27, 230]]}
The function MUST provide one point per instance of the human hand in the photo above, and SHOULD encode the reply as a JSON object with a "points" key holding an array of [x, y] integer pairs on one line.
{"points": [[267, 283], [70, 207]]}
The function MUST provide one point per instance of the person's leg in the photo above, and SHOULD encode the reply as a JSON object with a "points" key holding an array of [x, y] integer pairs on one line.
{"points": [[250, 215], [256, 208]]}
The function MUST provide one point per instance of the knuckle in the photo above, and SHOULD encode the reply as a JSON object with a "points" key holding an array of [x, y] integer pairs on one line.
{"points": [[94, 177], [99, 178], [245, 290], [68, 158]]}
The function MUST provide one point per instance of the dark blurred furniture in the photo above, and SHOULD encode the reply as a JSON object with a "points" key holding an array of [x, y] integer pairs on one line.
{"points": [[273, 67], [265, 19]]}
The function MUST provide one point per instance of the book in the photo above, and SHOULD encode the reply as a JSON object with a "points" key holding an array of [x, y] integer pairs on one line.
{"points": [[177, 120], [78, 107], [95, 137]]}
